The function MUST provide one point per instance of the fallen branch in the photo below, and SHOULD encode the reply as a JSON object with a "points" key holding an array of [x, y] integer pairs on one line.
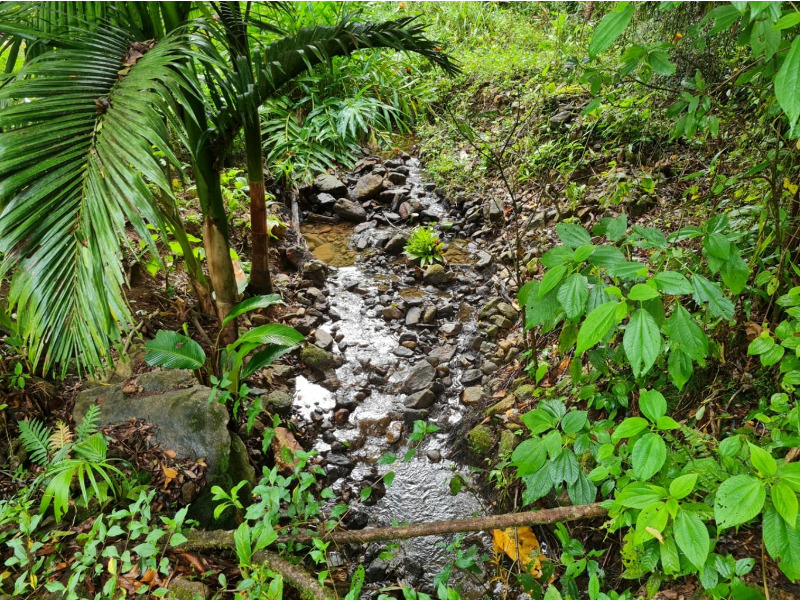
{"points": [[302, 581]]}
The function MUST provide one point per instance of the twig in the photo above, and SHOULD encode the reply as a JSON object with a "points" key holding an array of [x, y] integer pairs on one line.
{"points": [[201, 331]]}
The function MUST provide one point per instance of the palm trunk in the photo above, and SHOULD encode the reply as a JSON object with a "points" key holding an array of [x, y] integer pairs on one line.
{"points": [[260, 278]]}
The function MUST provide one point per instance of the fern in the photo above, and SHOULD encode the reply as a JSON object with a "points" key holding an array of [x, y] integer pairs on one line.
{"points": [[61, 438], [36, 439], [89, 424]]}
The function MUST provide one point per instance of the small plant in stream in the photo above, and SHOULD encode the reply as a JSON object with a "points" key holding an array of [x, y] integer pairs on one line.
{"points": [[424, 245]]}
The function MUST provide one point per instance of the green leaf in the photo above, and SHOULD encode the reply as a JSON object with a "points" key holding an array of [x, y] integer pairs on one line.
{"points": [[642, 342], [273, 333], [788, 20], [628, 270], [739, 499], [641, 292], [640, 495], [762, 461], [573, 295], [687, 334], [606, 256], [785, 500], [692, 538], [680, 368], [787, 83], [723, 17], [573, 235], [761, 344], [539, 420], [529, 457], [648, 456], [717, 245], [667, 423], [172, 350], [597, 324], [660, 63], [551, 279], [555, 257], [710, 293], [652, 404], [789, 473], [574, 421], [251, 304], [682, 486], [672, 283], [630, 427], [735, 272], [581, 491], [583, 252], [782, 542], [610, 28]]}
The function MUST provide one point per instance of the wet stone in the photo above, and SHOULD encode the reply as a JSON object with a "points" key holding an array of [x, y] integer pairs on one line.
{"points": [[471, 376], [323, 339], [414, 316], [330, 184], [403, 352], [349, 211], [316, 358], [434, 456], [450, 328], [472, 395], [355, 519], [500, 321], [368, 186], [489, 367], [429, 315], [396, 244], [422, 399], [418, 378], [442, 354], [279, 401], [394, 432], [391, 313], [325, 201], [436, 274]]}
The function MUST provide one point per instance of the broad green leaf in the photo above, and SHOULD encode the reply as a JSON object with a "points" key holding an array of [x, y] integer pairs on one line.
{"points": [[762, 461], [653, 237], [648, 456], [555, 257], [573, 295], [782, 542], [680, 368], [653, 517], [789, 473], [551, 279], [613, 228], [772, 356], [785, 500], [574, 421], [630, 427], [251, 304], [273, 333], [596, 326], [739, 499], [641, 292], [606, 256], [670, 560], [172, 350], [539, 420], [717, 245], [264, 358], [581, 491], [628, 270], [682, 486], [565, 468], [660, 63], [610, 28], [652, 404], [529, 457], [686, 334], [667, 423], [583, 252], [706, 292], [788, 20], [672, 283], [787, 83], [692, 537], [735, 272], [537, 485], [723, 17], [640, 495], [573, 235], [539, 311], [642, 342]]}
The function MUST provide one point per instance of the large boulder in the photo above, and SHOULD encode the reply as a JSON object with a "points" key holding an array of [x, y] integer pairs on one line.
{"points": [[419, 377], [350, 211], [328, 184], [369, 186]]}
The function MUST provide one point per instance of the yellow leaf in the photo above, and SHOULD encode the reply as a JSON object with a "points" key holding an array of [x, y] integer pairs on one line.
{"points": [[789, 186], [112, 565], [655, 533], [520, 544]]}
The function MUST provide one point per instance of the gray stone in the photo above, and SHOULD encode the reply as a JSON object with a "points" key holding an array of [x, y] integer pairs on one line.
{"points": [[330, 185], [279, 401], [392, 313], [240, 467], [369, 186], [403, 352], [326, 201], [316, 358], [559, 118], [508, 311], [429, 315], [450, 328], [186, 422], [489, 367], [171, 379], [361, 227], [484, 260], [421, 399], [349, 211], [418, 377], [472, 395], [471, 376], [500, 321], [316, 271], [436, 274], [494, 212], [323, 339], [442, 354], [181, 588], [393, 197], [396, 177], [397, 243], [414, 315]]}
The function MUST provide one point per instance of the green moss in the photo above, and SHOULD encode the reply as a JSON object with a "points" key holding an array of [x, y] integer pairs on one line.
{"points": [[480, 440]]}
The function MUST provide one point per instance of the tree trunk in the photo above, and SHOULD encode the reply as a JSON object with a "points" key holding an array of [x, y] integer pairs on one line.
{"points": [[260, 278], [220, 270]]}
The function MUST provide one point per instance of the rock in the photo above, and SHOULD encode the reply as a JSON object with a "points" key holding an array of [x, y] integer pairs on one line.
{"points": [[484, 260], [524, 392], [325, 252], [283, 370], [279, 401], [419, 377], [349, 211], [442, 354], [396, 177], [414, 315], [501, 407], [240, 467], [394, 432], [422, 399], [508, 441], [316, 358], [330, 185], [355, 519], [471, 376], [396, 244], [494, 212], [450, 328], [392, 313], [393, 197], [325, 201], [181, 588], [170, 379], [429, 315], [403, 352], [500, 321], [362, 227], [434, 456], [323, 339], [480, 439], [472, 395], [490, 307], [508, 311], [436, 274], [283, 447], [368, 186], [317, 271], [489, 367], [559, 118]]}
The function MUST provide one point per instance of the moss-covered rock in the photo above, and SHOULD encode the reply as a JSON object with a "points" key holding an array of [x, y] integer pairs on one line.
{"points": [[508, 441], [524, 392], [316, 358], [480, 439], [501, 407]]}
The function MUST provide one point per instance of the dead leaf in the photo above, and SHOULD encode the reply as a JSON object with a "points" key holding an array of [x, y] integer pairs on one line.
{"points": [[170, 453], [520, 544], [752, 331], [169, 475], [283, 446]]}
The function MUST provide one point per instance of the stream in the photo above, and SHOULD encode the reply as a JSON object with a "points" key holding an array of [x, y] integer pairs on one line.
{"points": [[405, 346]]}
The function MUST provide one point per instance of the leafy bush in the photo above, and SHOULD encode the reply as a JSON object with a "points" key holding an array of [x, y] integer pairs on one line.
{"points": [[424, 245]]}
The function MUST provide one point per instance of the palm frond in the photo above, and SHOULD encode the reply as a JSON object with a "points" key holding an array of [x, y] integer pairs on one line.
{"points": [[75, 163], [35, 438]]}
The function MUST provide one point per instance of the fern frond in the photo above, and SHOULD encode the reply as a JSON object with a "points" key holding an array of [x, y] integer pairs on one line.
{"points": [[36, 439], [61, 437], [89, 424]]}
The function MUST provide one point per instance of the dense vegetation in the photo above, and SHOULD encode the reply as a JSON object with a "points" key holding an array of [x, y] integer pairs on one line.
{"points": [[646, 160]]}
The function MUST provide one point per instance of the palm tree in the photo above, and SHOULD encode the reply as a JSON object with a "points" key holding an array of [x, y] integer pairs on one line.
{"points": [[78, 142]]}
